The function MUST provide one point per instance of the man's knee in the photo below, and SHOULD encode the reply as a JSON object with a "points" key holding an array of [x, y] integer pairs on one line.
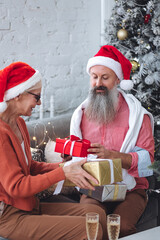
{"points": [[94, 208], [87, 200]]}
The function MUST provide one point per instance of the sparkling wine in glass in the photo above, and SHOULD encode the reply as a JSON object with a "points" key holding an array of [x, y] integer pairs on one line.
{"points": [[113, 226], [92, 224]]}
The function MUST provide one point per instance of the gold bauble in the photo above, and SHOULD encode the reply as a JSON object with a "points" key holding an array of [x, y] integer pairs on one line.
{"points": [[135, 65], [122, 34]]}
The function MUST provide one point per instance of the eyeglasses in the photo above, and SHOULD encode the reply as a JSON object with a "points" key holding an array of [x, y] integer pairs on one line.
{"points": [[37, 97]]}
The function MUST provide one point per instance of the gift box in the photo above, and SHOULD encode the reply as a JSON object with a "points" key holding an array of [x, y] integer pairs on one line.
{"points": [[74, 146], [105, 171], [107, 193]]}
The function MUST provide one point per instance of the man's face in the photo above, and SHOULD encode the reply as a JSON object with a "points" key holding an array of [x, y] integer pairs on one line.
{"points": [[101, 76], [102, 104]]}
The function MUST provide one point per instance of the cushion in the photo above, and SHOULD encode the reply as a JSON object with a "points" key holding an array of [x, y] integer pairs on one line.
{"points": [[50, 155]]}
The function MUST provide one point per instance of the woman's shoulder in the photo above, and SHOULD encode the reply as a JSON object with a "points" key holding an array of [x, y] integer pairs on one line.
{"points": [[4, 126], [4, 132]]}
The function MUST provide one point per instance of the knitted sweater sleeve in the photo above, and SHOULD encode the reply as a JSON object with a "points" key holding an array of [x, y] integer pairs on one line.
{"points": [[15, 177]]}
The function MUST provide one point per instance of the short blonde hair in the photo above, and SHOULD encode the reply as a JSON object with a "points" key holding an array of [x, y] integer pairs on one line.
{"points": [[36, 86]]}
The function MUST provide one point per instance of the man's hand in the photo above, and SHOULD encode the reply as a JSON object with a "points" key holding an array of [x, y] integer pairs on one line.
{"points": [[104, 153], [100, 151], [76, 174], [66, 157]]}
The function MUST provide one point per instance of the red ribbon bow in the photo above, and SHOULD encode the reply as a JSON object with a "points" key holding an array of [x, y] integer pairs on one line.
{"points": [[77, 139]]}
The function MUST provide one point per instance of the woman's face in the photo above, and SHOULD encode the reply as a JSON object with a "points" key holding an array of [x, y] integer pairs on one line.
{"points": [[28, 101]]}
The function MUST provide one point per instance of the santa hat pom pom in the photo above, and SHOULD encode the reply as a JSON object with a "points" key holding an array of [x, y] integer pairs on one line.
{"points": [[126, 85], [3, 106]]}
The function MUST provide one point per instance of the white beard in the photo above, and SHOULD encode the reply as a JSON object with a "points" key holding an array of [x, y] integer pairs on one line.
{"points": [[101, 108]]}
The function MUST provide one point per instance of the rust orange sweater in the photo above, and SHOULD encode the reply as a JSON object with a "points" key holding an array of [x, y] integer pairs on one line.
{"points": [[18, 182]]}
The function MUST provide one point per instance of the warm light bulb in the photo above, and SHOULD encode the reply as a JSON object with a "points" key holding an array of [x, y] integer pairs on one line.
{"points": [[34, 138]]}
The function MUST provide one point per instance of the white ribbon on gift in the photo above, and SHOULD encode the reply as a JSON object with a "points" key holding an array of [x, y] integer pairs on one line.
{"points": [[90, 158], [71, 148]]}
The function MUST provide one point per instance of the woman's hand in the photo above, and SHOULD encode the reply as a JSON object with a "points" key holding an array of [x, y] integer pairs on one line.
{"points": [[100, 151], [76, 174]]}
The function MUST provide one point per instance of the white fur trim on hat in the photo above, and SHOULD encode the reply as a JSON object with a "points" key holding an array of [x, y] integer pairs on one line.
{"points": [[107, 62], [3, 106], [126, 85], [22, 87]]}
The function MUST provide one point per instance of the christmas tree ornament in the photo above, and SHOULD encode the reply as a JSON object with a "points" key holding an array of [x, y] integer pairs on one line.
{"points": [[122, 34], [143, 11], [149, 80], [135, 65], [146, 18], [150, 6]]}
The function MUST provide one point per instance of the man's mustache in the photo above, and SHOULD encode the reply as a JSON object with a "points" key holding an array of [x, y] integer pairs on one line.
{"points": [[105, 89]]}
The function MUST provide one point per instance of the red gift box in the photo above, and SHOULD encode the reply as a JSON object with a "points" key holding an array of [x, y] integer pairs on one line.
{"points": [[74, 146]]}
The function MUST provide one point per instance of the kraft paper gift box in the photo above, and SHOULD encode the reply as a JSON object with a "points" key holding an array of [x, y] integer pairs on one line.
{"points": [[105, 171], [107, 193], [74, 146]]}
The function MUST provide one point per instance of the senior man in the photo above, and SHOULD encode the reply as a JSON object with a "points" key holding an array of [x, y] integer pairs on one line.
{"points": [[118, 127]]}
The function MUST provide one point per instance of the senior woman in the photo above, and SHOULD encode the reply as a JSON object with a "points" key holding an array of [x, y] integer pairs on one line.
{"points": [[21, 178]]}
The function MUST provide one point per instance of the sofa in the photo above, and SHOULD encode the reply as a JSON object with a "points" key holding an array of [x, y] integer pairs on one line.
{"points": [[59, 127], [45, 130]]}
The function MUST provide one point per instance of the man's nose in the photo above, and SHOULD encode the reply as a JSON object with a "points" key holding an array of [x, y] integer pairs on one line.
{"points": [[99, 82]]}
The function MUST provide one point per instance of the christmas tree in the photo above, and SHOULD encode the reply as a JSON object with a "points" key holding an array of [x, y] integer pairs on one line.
{"points": [[134, 28]]}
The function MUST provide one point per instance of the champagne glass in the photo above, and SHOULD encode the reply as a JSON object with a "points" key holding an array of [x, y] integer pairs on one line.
{"points": [[92, 224], [113, 226]]}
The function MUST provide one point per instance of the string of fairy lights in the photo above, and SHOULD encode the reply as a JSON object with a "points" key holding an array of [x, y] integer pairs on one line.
{"points": [[45, 133]]}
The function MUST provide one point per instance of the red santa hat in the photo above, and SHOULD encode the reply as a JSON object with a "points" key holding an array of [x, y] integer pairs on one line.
{"points": [[14, 80], [110, 57]]}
